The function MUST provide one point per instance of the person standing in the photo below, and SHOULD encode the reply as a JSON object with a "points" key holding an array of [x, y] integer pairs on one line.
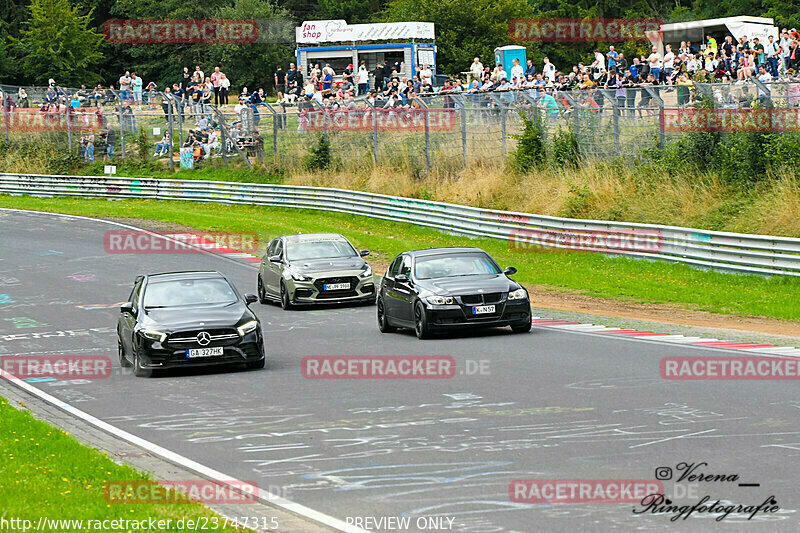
{"points": [[280, 82], [136, 89], [379, 73], [476, 68], [125, 86], [215, 77], [362, 79], [224, 89]]}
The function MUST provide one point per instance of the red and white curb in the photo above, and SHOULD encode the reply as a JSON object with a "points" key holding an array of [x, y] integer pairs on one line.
{"points": [[209, 245], [770, 349]]}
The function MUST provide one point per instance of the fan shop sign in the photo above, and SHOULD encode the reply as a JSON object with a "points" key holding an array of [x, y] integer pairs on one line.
{"points": [[381, 120]]}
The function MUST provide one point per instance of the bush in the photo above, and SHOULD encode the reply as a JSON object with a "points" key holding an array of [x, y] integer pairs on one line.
{"points": [[143, 146], [578, 202], [319, 157], [531, 152], [565, 149]]}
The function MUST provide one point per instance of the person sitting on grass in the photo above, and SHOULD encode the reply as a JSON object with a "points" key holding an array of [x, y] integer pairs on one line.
{"points": [[165, 145]]}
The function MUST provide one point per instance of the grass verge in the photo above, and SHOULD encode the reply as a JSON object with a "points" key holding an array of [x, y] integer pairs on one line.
{"points": [[49, 474], [592, 274]]}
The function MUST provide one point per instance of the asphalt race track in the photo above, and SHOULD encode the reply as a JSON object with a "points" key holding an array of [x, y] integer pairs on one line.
{"points": [[550, 404]]}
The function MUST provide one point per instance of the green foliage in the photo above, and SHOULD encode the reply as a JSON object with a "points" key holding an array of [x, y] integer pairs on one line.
{"points": [[62, 161], [57, 42], [143, 145], [319, 157], [464, 28], [531, 151], [565, 151], [577, 202], [782, 150]]}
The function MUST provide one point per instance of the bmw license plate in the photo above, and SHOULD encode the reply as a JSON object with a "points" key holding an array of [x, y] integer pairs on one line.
{"points": [[335, 286], [482, 309], [204, 352]]}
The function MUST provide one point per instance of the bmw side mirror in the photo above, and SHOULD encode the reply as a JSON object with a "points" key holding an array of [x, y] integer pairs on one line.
{"points": [[275, 259], [510, 271], [250, 298], [363, 253], [127, 307], [402, 278]]}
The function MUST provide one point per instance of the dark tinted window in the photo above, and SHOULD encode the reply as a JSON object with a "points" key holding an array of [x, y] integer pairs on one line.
{"points": [[188, 292]]}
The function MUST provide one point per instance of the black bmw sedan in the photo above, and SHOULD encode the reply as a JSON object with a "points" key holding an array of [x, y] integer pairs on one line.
{"points": [[440, 288], [181, 319]]}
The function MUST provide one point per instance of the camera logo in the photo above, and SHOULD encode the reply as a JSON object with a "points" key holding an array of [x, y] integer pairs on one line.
{"points": [[663, 473]]}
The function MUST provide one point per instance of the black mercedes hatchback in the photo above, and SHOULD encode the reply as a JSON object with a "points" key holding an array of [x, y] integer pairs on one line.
{"points": [[181, 319], [442, 288]]}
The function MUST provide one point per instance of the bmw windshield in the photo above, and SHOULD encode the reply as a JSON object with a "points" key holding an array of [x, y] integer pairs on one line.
{"points": [[452, 265]]}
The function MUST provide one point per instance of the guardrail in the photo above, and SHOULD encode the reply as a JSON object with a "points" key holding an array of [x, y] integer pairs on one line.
{"points": [[758, 254]]}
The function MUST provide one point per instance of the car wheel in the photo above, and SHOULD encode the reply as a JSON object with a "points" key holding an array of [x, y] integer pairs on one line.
{"points": [[523, 327], [262, 294], [421, 327], [257, 364], [286, 303], [383, 323], [138, 371], [124, 363]]}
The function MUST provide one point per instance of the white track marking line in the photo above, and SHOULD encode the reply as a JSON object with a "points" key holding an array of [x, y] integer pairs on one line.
{"points": [[185, 462]]}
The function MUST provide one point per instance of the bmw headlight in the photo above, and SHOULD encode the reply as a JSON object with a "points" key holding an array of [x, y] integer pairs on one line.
{"points": [[367, 271], [154, 335], [441, 300], [519, 294], [298, 276], [247, 327]]}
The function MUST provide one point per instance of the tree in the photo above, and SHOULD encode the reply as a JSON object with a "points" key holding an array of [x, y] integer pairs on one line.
{"points": [[58, 43], [464, 28]]}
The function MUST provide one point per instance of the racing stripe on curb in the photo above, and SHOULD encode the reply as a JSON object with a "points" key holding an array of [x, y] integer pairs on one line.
{"points": [[213, 247], [755, 347]]}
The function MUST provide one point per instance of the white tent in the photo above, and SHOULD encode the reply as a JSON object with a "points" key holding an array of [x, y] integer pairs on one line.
{"points": [[696, 30]]}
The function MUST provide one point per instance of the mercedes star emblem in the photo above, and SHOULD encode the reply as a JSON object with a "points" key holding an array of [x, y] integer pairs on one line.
{"points": [[203, 338]]}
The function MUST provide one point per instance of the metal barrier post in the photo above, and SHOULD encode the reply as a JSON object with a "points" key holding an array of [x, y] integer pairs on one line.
{"points": [[121, 128], [463, 111], [171, 148], [427, 140]]}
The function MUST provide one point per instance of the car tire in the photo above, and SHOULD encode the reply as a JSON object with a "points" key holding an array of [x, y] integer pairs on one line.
{"points": [[523, 327], [421, 327], [124, 363], [383, 323], [256, 364], [262, 293], [138, 371], [286, 302]]}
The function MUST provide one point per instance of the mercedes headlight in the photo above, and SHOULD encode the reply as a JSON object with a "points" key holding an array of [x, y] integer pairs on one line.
{"points": [[519, 294], [247, 327], [367, 271], [154, 335], [441, 300], [298, 276]]}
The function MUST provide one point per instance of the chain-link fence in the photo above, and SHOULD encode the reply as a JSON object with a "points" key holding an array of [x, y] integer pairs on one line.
{"points": [[445, 130]]}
